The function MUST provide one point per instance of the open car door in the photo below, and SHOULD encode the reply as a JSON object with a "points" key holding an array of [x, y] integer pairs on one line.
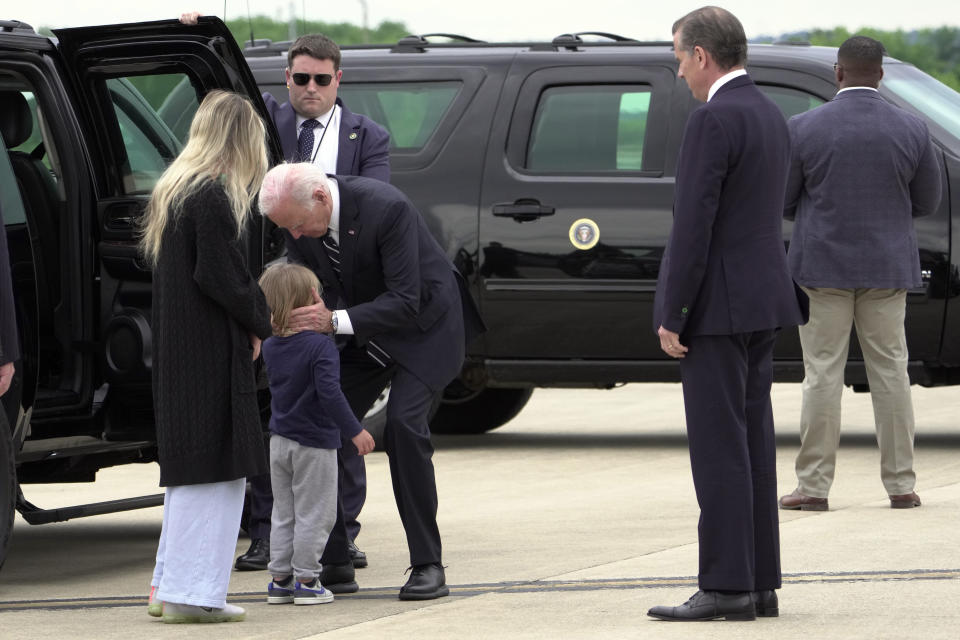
{"points": [[136, 88]]}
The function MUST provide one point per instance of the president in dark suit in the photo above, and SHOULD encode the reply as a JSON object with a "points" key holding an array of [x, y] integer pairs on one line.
{"points": [[723, 291], [407, 317], [862, 170]]}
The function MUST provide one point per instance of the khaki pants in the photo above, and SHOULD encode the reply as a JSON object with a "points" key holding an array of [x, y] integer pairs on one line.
{"points": [[878, 316]]}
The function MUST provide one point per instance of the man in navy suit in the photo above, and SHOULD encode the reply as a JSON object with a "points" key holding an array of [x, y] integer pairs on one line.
{"points": [[407, 317], [723, 291], [341, 142], [862, 170]]}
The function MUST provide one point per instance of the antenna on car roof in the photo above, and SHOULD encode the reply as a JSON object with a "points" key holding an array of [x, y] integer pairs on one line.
{"points": [[249, 20]]}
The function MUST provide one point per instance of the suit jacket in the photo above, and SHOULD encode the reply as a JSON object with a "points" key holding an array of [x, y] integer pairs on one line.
{"points": [[724, 270], [861, 170], [396, 283], [9, 342], [364, 145]]}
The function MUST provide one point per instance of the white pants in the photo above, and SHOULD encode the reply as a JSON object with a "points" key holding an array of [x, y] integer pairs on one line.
{"points": [[197, 542], [878, 317]]}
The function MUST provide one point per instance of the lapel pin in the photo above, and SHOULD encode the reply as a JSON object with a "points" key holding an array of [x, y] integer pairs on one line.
{"points": [[353, 136], [351, 232]]}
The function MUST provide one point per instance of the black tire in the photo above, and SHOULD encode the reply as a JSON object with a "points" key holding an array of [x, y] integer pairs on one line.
{"points": [[8, 486], [464, 411]]}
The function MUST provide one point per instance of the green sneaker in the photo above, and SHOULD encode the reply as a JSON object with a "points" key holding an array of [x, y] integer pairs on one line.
{"points": [[174, 613], [154, 606]]}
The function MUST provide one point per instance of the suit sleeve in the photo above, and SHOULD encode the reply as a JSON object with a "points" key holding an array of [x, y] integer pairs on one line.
{"points": [[399, 248], [326, 380], [9, 342], [794, 189], [701, 172], [220, 270], [375, 159], [925, 188]]}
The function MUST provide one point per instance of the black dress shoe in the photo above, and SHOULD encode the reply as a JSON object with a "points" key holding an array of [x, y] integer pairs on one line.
{"points": [[339, 578], [710, 605], [257, 556], [359, 557], [767, 604], [427, 581]]}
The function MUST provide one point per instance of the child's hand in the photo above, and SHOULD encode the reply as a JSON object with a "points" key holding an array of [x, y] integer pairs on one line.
{"points": [[364, 442]]}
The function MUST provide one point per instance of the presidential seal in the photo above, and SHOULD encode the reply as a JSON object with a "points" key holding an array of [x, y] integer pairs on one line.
{"points": [[584, 234]]}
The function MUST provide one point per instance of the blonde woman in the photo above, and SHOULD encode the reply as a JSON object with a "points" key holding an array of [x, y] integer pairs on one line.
{"points": [[209, 317]]}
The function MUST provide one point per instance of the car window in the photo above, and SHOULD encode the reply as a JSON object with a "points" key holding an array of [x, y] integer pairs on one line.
{"points": [[11, 207], [586, 129], [410, 111], [791, 101], [937, 103], [150, 143]]}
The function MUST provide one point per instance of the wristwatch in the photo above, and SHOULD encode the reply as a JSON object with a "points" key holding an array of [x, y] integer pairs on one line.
{"points": [[333, 321]]}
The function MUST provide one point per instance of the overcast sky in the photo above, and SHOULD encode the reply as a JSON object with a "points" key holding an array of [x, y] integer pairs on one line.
{"points": [[514, 19]]}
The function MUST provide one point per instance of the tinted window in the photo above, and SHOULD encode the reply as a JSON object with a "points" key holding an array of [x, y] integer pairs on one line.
{"points": [[411, 112], [589, 129], [791, 101], [150, 143]]}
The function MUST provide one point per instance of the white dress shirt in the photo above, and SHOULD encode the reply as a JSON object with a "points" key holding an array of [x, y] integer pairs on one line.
{"points": [[724, 79], [326, 139]]}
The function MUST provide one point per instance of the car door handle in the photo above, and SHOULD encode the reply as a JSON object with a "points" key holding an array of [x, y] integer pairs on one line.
{"points": [[523, 210]]}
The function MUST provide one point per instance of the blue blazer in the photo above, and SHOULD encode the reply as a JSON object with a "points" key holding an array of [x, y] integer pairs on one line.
{"points": [[396, 283], [724, 270], [9, 342], [364, 146], [861, 170]]}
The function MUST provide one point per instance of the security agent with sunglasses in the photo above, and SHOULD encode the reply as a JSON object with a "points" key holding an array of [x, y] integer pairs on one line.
{"points": [[342, 142], [316, 127]]}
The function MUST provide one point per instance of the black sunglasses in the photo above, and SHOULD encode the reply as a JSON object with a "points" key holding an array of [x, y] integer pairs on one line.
{"points": [[301, 79]]}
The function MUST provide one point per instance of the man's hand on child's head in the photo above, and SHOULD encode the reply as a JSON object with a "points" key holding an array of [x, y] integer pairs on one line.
{"points": [[363, 441], [315, 317]]}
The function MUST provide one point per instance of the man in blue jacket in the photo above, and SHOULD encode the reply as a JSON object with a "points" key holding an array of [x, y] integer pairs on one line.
{"points": [[723, 291], [862, 169]]}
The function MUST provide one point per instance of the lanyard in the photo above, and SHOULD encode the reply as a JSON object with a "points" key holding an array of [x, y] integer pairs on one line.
{"points": [[313, 159]]}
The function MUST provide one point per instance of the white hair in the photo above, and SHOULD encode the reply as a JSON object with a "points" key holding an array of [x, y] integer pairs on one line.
{"points": [[297, 180]]}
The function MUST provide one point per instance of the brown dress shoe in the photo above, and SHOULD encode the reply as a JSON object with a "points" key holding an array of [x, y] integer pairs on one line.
{"points": [[797, 500], [905, 501]]}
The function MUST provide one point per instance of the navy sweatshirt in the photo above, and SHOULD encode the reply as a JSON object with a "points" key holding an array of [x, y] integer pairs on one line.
{"points": [[307, 404]]}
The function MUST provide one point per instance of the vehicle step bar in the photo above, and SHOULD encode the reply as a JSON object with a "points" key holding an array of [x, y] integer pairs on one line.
{"points": [[35, 515]]}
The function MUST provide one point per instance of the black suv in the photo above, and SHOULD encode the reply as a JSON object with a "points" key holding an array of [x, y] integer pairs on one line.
{"points": [[545, 169]]}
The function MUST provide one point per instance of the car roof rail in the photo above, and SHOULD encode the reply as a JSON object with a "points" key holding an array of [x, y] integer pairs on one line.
{"points": [[419, 44], [793, 43], [8, 26]]}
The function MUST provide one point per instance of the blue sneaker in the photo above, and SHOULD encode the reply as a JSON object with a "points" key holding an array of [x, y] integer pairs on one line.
{"points": [[311, 593], [280, 592]]}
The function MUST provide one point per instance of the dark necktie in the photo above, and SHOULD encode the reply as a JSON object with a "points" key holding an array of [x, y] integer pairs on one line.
{"points": [[305, 143], [333, 252]]}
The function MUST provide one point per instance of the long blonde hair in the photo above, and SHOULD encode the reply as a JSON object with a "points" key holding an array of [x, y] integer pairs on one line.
{"points": [[287, 286], [227, 143]]}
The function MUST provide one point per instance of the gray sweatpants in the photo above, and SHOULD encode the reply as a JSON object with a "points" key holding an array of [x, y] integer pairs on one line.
{"points": [[304, 483]]}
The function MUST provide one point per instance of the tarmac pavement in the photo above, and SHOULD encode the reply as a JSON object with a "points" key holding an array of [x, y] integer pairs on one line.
{"points": [[570, 522]]}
